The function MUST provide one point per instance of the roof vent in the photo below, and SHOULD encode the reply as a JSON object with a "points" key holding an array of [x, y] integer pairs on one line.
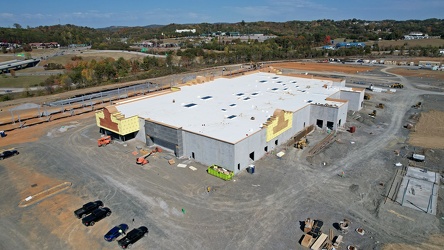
{"points": [[189, 105], [206, 97]]}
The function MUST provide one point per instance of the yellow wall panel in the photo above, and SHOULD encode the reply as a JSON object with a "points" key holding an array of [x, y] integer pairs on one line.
{"points": [[116, 122], [280, 122]]}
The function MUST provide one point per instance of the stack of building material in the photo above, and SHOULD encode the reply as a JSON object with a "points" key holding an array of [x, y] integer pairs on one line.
{"points": [[319, 242]]}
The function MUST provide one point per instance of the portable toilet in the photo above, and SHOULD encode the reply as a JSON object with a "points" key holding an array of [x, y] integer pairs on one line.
{"points": [[251, 169]]}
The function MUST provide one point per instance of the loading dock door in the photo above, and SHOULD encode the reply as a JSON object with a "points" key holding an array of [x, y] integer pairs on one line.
{"points": [[252, 156], [330, 125], [319, 123]]}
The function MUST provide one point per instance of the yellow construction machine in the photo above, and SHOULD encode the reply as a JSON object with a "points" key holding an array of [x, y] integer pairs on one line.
{"points": [[373, 114], [397, 86], [381, 106], [367, 96], [301, 144]]}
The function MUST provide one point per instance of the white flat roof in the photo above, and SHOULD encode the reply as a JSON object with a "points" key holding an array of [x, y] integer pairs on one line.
{"points": [[223, 108]]}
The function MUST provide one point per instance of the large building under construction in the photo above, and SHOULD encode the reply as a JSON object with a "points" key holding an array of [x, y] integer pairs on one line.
{"points": [[232, 122]]}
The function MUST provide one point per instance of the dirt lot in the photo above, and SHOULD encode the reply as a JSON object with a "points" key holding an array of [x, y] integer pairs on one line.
{"points": [[420, 73], [324, 67], [259, 211], [429, 131]]}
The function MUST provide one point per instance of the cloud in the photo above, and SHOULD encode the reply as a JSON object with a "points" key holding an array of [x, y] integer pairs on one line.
{"points": [[280, 10], [37, 16], [6, 15]]}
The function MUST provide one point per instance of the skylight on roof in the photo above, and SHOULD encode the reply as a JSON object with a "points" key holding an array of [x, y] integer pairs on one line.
{"points": [[206, 97], [255, 93], [274, 89], [263, 81], [233, 104], [224, 110], [189, 105], [231, 116], [240, 94], [276, 77], [247, 98]]}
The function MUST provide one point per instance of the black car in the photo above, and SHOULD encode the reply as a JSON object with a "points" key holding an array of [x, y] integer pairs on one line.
{"points": [[96, 216], [8, 153], [132, 237], [87, 209]]}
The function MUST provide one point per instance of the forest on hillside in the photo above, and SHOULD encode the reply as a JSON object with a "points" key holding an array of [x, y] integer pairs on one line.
{"points": [[312, 31], [293, 40]]}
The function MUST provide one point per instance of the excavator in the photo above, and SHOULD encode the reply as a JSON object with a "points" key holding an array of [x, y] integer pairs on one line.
{"points": [[142, 160]]}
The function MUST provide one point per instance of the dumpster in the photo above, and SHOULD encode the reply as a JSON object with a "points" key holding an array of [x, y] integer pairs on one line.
{"points": [[220, 172]]}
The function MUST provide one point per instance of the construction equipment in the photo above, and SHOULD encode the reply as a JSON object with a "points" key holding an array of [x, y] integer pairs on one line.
{"points": [[301, 143], [104, 141], [373, 114], [367, 96], [397, 86], [417, 105], [381, 106], [142, 160]]}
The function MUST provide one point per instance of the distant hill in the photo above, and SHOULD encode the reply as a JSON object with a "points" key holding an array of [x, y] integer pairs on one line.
{"points": [[151, 26], [315, 31]]}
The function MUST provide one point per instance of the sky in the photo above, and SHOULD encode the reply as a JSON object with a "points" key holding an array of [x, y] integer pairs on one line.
{"points": [[100, 14]]}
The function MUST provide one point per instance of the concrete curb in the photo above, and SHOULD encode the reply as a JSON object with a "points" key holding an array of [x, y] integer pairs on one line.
{"points": [[44, 194]]}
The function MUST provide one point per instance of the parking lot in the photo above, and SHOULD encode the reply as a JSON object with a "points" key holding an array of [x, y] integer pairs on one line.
{"points": [[264, 210]]}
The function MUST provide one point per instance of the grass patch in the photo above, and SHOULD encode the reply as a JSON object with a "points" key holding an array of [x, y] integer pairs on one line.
{"points": [[21, 81]]}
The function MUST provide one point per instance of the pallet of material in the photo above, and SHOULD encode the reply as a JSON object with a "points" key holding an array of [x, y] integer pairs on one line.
{"points": [[319, 242], [308, 225], [307, 240], [338, 241]]}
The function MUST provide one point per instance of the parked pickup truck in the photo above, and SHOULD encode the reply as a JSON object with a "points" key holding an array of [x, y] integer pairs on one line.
{"points": [[87, 209], [96, 216]]}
